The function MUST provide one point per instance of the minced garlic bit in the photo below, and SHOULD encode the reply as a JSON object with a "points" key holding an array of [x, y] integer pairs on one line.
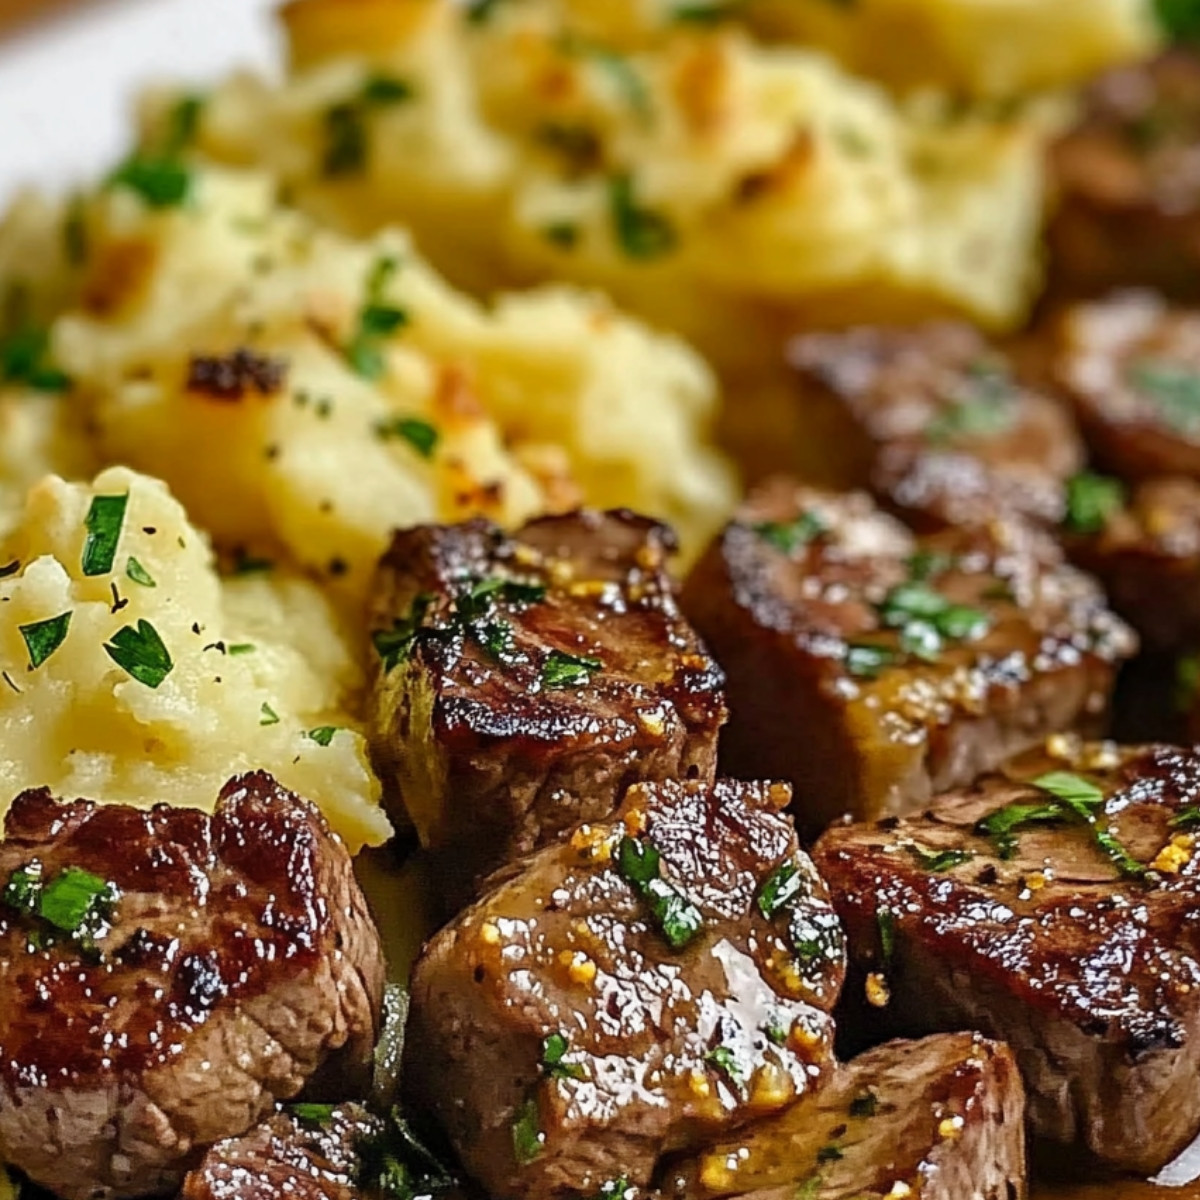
{"points": [[489, 934], [772, 1087], [652, 720], [580, 968], [879, 995], [719, 1171], [699, 1083], [635, 822], [900, 1190], [951, 1127], [1176, 854], [594, 845]]}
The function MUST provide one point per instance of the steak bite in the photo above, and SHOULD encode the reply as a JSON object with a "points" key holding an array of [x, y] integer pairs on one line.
{"points": [[1131, 366], [650, 983], [1128, 184], [320, 1152], [526, 681], [1143, 544], [934, 421], [1052, 907], [942, 1118], [166, 976], [873, 669]]}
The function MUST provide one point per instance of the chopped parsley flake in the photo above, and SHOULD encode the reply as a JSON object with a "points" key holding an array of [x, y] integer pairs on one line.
{"points": [[104, 520], [420, 435], [394, 1164], [183, 123], [313, 1114], [816, 937], [23, 888], [725, 1061], [75, 902], [239, 648], [42, 638], [864, 1105], [25, 359], [323, 735], [986, 411], [140, 652], [790, 536], [830, 1153], [885, 920], [395, 645], [139, 574], [377, 320], [640, 864], [641, 232], [1090, 500], [346, 140], [160, 182], [867, 660], [780, 888], [554, 1052], [527, 1136], [939, 861], [267, 715], [562, 670]]}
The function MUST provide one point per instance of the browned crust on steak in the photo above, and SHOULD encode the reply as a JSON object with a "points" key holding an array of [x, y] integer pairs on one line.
{"points": [[943, 1117], [1108, 357], [241, 956], [567, 947], [936, 422], [782, 626], [489, 758], [1128, 184], [1091, 977]]}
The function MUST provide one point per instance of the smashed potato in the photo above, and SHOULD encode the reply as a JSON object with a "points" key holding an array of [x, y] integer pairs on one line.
{"points": [[132, 674]]}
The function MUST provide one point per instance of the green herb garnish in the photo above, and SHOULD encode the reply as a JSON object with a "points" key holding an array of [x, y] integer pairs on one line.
{"points": [[160, 182], [723, 1059], [815, 936], [42, 638], [939, 861], [867, 660], [139, 574], [346, 140], [554, 1052], [420, 435], [866, 1104], [830, 1153], [23, 888], [985, 412], [562, 670], [267, 715], [323, 735], [1090, 500], [639, 863], [140, 652], [25, 359], [780, 888], [313, 1114], [885, 921], [789, 536], [527, 1136], [395, 645], [641, 232], [103, 524], [183, 123], [377, 320], [79, 904]]}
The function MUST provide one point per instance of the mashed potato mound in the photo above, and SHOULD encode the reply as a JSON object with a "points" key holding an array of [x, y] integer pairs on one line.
{"points": [[303, 394], [721, 187], [152, 681]]}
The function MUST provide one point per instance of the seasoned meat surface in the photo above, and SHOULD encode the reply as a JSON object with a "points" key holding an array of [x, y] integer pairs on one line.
{"points": [[650, 982], [942, 1118], [934, 420], [166, 976], [872, 669], [526, 681], [1131, 366], [321, 1152], [313, 1155], [1143, 544], [1052, 907], [1128, 183]]}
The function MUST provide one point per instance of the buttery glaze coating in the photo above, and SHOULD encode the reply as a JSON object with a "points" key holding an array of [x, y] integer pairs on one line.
{"points": [[1131, 367], [934, 420], [1127, 179], [942, 1118], [1089, 970], [514, 714], [812, 604], [561, 1036], [236, 960]]}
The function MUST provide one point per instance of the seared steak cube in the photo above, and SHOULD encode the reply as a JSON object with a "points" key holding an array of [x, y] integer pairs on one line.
{"points": [[526, 681], [942, 1118], [166, 976], [320, 1152], [1128, 184], [654, 980], [934, 420], [1131, 365], [872, 669], [1052, 907], [1143, 544]]}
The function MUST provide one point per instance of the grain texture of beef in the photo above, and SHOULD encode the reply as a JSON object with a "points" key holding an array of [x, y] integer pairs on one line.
{"points": [[1143, 544], [936, 423], [652, 982], [321, 1152], [872, 669], [1131, 366], [1127, 179], [1052, 907], [942, 1118], [526, 681], [166, 976]]}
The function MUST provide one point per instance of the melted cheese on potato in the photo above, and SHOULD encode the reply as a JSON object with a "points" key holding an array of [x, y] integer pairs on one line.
{"points": [[153, 681]]}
